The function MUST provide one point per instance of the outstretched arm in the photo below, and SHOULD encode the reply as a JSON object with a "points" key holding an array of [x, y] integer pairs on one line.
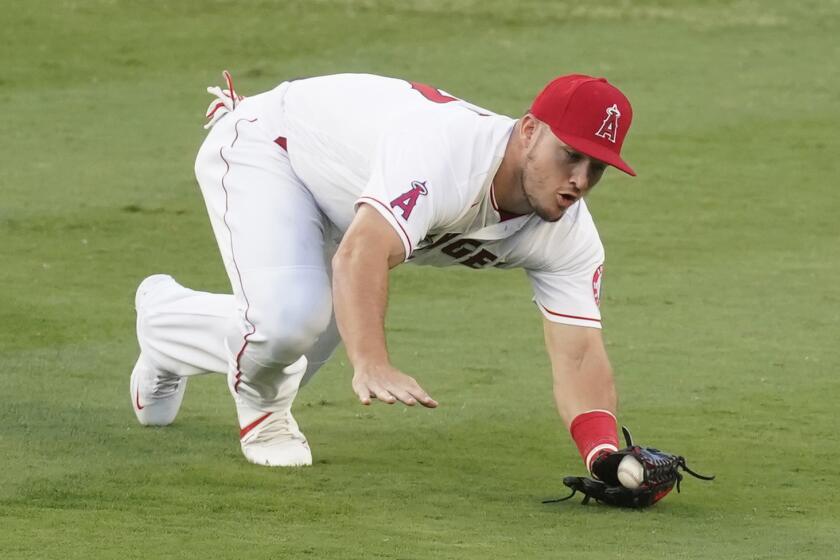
{"points": [[584, 390], [370, 248]]}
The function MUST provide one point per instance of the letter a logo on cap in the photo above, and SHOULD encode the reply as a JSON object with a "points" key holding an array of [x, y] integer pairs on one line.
{"points": [[609, 128]]}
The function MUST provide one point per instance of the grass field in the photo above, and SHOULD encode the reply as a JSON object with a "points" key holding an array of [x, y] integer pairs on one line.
{"points": [[722, 304]]}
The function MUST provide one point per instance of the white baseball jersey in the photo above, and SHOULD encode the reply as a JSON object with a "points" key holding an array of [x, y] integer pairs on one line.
{"points": [[426, 160]]}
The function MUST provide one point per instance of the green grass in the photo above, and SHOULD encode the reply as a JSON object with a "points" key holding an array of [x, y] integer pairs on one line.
{"points": [[721, 301]]}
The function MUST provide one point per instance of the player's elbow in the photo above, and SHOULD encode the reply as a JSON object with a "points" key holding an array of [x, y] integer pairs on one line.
{"points": [[366, 252], [347, 254]]}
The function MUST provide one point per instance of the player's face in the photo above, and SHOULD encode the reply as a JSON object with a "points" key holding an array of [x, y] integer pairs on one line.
{"points": [[555, 175]]}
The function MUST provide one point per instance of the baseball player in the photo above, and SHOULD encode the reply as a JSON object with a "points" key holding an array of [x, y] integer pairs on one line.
{"points": [[317, 188]]}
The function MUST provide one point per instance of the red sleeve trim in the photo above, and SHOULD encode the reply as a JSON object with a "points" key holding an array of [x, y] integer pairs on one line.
{"points": [[550, 312], [405, 234]]}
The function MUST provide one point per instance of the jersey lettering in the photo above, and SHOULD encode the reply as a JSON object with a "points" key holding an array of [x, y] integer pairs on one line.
{"points": [[443, 239], [480, 259], [461, 248], [432, 94], [467, 252], [609, 128], [408, 200]]}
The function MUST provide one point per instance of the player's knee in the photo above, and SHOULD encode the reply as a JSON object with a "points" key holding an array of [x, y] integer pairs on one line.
{"points": [[292, 327]]}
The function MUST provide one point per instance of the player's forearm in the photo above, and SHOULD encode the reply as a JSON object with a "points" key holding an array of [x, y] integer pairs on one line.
{"points": [[584, 385], [583, 378], [360, 297], [584, 389]]}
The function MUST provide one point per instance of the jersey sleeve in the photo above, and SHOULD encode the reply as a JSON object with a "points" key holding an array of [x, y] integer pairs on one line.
{"points": [[415, 181], [568, 288]]}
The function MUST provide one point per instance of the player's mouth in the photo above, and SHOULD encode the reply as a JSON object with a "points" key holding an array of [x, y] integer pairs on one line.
{"points": [[565, 200]]}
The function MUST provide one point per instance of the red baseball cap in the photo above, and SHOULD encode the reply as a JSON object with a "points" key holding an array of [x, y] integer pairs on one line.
{"points": [[589, 114]]}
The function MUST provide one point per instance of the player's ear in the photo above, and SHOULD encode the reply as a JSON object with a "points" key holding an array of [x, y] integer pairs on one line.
{"points": [[528, 127]]}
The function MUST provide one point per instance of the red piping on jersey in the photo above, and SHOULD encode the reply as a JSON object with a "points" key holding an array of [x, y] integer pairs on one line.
{"points": [[547, 310], [253, 328], [385, 206], [244, 431], [280, 141], [503, 216]]}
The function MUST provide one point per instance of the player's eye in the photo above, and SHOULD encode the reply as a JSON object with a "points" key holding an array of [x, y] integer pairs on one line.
{"points": [[573, 156], [596, 171]]}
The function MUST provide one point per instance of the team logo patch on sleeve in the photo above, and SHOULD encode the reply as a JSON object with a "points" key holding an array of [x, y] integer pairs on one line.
{"points": [[408, 200], [609, 128], [596, 284]]}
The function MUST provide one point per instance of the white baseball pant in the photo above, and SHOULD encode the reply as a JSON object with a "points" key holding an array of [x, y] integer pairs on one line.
{"points": [[271, 236]]}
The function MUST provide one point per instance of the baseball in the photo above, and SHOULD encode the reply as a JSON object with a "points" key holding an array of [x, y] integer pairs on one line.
{"points": [[630, 472]]}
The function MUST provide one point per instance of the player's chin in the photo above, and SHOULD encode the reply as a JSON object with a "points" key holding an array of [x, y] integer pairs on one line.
{"points": [[550, 214]]}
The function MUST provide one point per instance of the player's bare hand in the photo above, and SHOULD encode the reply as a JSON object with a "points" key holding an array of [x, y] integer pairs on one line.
{"points": [[389, 385]]}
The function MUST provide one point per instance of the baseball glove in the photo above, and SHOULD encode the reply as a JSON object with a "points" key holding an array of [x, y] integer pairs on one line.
{"points": [[661, 474]]}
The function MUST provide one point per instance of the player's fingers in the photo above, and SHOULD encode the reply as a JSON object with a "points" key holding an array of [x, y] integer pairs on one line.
{"points": [[422, 396], [382, 394], [403, 395], [427, 401], [386, 397], [362, 392]]}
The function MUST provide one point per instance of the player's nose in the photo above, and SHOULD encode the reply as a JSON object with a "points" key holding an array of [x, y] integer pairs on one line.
{"points": [[579, 177]]}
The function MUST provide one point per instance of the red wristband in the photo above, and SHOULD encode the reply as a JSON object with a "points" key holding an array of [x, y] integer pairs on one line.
{"points": [[594, 432]]}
